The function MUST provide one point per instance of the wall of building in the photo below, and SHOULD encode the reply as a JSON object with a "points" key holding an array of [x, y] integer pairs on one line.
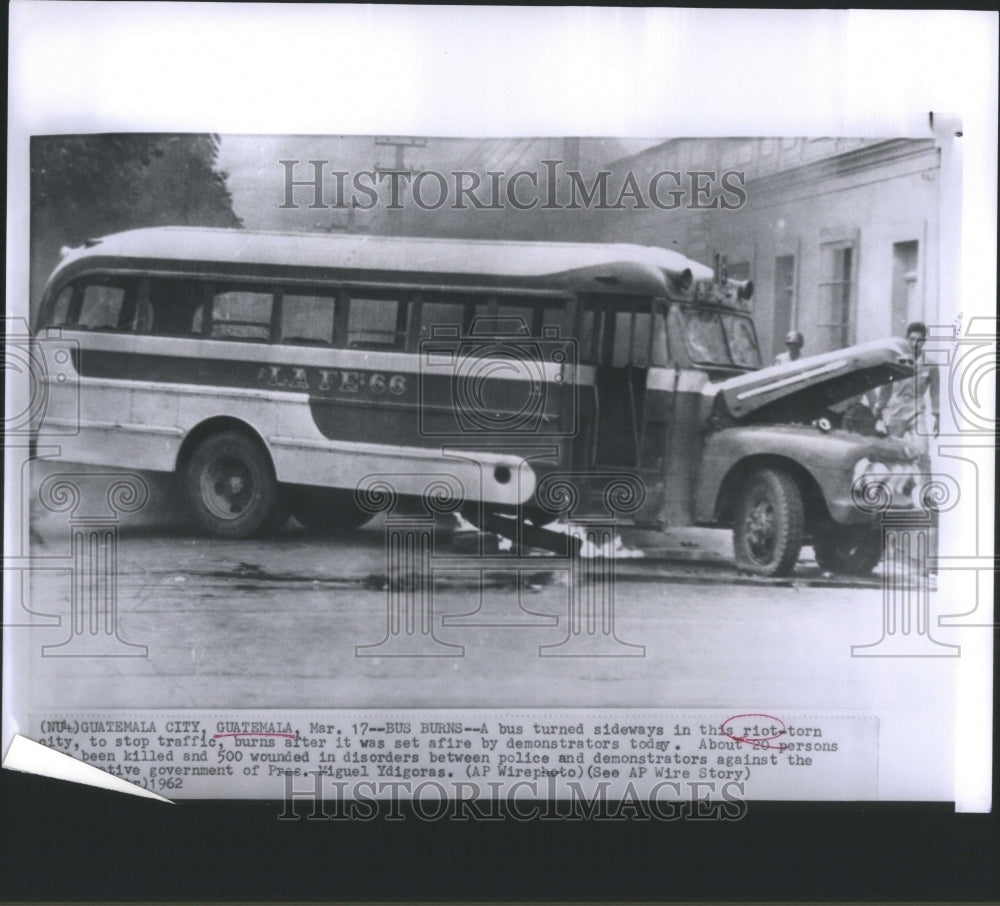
{"points": [[810, 199]]}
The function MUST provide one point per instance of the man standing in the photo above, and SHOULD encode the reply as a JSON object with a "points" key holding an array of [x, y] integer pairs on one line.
{"points": [[793, 343], [903, 404]]}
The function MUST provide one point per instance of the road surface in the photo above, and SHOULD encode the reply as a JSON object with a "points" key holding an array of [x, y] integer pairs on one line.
{"points": [[302, 621]]}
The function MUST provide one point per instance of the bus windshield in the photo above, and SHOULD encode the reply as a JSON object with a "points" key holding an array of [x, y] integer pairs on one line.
{"points": [[720, 339]]}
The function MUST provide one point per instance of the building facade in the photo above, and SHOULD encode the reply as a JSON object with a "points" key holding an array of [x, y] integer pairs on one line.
{"points": [[840, 236]]}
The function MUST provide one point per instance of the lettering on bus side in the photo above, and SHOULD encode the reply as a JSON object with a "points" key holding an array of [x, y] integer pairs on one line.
{"points": [[331, 381]]}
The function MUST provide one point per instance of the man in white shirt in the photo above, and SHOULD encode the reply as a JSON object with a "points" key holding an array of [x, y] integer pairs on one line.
{"points": [[903, 404], [903, 407]]}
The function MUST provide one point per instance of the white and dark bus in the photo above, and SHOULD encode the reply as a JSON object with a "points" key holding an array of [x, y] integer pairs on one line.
{"points": [[277, 371]]}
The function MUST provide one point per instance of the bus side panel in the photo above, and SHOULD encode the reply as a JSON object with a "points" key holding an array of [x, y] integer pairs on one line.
{"points": [[136, 406], [102, 416], [139, 398]]}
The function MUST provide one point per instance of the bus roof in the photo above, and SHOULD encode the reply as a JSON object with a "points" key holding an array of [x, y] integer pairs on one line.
{"points": [[629, 267]]}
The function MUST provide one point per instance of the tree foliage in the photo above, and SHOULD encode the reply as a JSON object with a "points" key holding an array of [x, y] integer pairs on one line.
{"points": [[84, 186]]}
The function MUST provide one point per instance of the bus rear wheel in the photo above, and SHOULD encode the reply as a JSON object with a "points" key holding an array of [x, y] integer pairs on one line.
{"points": [[768, 532], [326, 511], [854, 550], [229, 485]]}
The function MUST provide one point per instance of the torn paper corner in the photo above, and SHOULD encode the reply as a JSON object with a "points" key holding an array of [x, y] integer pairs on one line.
{"points": [[33, 758]]}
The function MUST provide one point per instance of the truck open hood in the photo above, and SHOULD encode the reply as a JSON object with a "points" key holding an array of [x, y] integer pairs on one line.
{"points": [[803, 390]]}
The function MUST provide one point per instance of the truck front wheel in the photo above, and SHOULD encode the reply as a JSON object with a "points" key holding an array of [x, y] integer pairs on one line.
{"points": [[768, 532]]}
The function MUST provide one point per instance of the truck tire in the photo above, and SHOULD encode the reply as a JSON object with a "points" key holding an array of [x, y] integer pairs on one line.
{"points": [[326, 511], [853, 550], [768, 532], [229, 486]]}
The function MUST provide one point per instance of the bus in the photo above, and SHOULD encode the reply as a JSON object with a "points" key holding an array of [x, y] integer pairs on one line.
{"points": [[273, 373]]}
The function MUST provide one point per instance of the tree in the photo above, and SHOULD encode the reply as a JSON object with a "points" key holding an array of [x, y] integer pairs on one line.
{"points": [[84, 186]]}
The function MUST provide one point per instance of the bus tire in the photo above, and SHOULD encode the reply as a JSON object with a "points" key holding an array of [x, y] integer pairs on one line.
{"points": [[229, 485], [326, 511], [854, 550], [769, 527]]}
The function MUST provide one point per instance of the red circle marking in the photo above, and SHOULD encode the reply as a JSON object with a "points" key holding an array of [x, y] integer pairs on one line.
{"points": [[758, 742]]}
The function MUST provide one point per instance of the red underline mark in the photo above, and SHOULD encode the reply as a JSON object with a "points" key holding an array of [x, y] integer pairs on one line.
{"points": [[221, 735]]}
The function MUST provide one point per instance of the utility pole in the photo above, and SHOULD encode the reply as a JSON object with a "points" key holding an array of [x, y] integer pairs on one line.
{"points": [[400, 144], [398, 171]]}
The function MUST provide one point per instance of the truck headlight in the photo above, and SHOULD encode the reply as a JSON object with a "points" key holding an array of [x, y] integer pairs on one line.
{"points": [[879, 486]]}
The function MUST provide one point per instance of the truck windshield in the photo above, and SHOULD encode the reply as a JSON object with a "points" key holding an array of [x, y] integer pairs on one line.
{"points": [[720, 339]]}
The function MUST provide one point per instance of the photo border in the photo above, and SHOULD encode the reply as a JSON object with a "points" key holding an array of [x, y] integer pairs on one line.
{"points": [[62, 849]]}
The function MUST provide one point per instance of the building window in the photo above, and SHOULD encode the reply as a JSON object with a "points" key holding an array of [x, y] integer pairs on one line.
{"points": [[836, 314], [738, 270], [905, 302]]}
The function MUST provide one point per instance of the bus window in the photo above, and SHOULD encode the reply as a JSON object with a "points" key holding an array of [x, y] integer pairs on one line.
{"points": [[704, 337], [555, 313], [660, 351], [623, 339], [515, 318], [60, 311], [742, 342], [448, 317], [596, 333], [631, 346], [176, 307], [101, 307], [588, 322], [307, 318], [639, 355], [531, 317], [142, 316], [242, 314], [376, 323]]}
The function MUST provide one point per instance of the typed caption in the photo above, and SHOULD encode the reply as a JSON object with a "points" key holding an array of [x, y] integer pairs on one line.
{"points": [[475, 753]]}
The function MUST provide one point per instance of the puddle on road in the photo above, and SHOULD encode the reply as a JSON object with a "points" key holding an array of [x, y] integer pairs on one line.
{"points": [[250, 577], [525, 579], [257, 579]]}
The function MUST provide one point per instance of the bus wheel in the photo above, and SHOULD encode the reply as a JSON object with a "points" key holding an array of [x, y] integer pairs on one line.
{"points": [[767, 535], [326, 511], [851, 549], [230, 487]]}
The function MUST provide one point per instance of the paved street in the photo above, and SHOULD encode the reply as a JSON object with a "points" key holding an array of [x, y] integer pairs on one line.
{"points": [[276, 623]]}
